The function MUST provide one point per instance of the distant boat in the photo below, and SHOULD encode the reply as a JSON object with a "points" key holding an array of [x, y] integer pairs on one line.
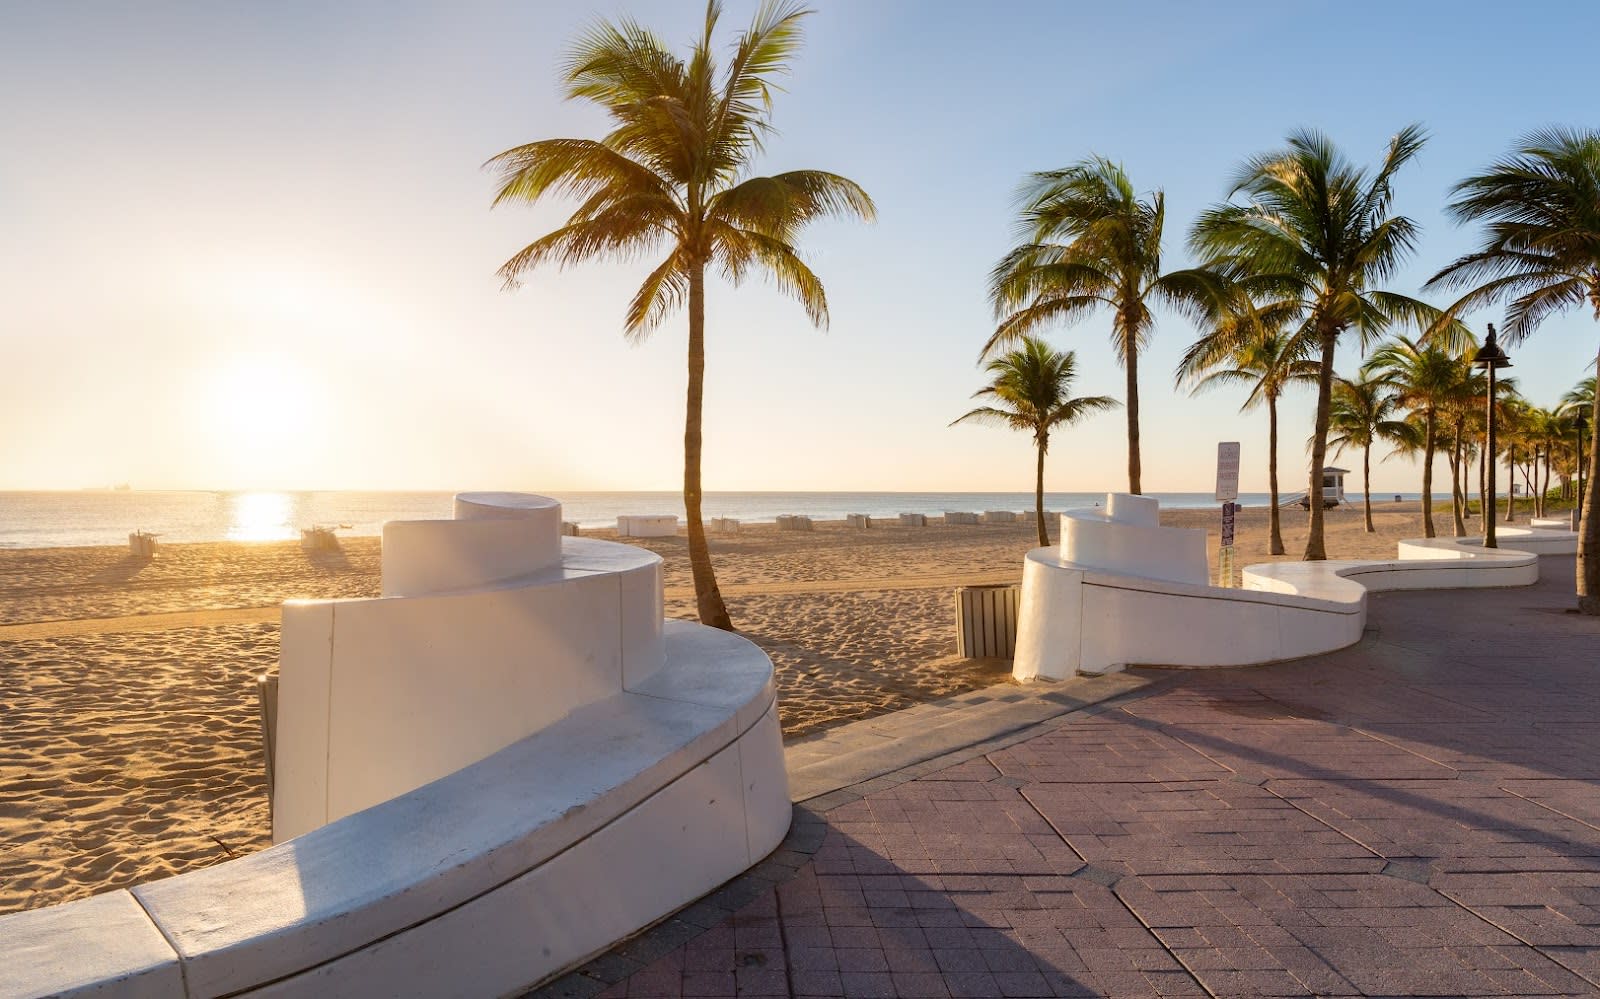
{"points": [[121, 487]]}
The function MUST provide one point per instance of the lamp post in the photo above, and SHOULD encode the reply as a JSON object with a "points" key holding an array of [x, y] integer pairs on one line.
{"points": [[1491, 358]]}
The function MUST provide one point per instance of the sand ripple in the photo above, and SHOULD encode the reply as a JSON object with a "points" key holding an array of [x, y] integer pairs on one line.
{"points": [[127, 758]]}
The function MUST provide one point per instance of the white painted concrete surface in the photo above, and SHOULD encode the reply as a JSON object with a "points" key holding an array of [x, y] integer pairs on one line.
{"points": [[652, 773], [1120, 592], [1126, 536]]}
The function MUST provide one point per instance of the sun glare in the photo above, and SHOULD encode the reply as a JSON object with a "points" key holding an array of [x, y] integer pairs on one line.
{"points": [[260, 517], [260, 402]]}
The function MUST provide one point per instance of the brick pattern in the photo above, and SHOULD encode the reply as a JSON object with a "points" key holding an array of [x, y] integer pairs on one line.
{"points": [[1417, 815]]}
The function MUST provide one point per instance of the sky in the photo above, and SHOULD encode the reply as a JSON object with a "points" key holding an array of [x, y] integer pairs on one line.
{"points": [[251, 245]]}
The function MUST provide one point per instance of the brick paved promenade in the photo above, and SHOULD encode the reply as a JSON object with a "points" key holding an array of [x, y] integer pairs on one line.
{"points": [[1417, 815]]}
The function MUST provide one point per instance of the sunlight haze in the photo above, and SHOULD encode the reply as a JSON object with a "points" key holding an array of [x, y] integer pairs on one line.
{"points": [[251, 247]]}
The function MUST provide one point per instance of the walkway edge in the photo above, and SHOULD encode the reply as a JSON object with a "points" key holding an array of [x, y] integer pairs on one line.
{"points": [[917, 740]]}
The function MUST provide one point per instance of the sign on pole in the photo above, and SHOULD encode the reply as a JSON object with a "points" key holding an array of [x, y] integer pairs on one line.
{"points": [[1227, 471], [1227, 492]]}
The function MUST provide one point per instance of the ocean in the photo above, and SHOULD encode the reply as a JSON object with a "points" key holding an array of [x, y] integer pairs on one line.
{"points": [[106, 517]]}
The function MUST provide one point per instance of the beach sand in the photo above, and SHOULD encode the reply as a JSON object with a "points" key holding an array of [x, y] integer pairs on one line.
{"points": [[129, 740]]}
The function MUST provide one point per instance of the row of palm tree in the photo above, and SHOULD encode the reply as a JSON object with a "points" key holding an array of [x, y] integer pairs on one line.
{"points": [[1405, 386], [1302, 247], [1297, 258]]}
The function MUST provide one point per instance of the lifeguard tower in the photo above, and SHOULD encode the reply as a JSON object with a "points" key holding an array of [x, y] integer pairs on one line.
{"points": [[1332, 489]]}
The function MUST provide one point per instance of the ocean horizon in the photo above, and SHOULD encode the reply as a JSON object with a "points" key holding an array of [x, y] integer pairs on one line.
{"points": [[66, 519]]}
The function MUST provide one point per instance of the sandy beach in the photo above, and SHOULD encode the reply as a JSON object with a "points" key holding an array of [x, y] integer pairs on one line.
{"points": [[130, 748]]}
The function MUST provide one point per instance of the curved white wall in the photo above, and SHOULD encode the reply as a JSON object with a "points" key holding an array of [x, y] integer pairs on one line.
{"points": [[654, 770], [1118, 610], [1127, 537], [380, 696], [494, 537]]}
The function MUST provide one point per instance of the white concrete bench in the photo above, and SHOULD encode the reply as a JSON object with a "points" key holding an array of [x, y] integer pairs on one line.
{"points": [[795, 522], [425, 846], [723, 525], [1122, 591], [913, 520], [999, 517], [960, 517], [860, 520]]}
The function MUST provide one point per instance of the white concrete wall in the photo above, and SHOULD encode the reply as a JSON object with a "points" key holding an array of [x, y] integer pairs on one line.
{"points": [[1127, 537], [494, 537], [1115, 608], [380, 696], [615, 811]]}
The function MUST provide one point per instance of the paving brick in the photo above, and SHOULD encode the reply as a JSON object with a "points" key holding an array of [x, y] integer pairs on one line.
{"points": [[1416, 815]]}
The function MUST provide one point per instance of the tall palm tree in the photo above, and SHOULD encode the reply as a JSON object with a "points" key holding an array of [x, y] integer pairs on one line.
{"points": [[1319, 231], [1361, 414], [1091, 242], [1253, 351], [1426, 381], [672, 177], [1540, 209], [1030, 389]]}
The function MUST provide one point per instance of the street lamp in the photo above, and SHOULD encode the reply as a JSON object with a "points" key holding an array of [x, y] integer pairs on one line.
{"points": [[1492, 358]]}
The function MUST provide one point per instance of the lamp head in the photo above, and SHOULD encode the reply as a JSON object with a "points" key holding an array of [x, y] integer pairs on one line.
{"points": [[1490, 355]]}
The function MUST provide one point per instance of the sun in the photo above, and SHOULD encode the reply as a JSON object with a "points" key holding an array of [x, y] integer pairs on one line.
{"points": [[260, 402]]}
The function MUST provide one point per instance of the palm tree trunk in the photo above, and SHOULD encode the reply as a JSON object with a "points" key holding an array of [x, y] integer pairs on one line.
{"points": [[1589, 535], [1458, 490], [1511, 485], [1276, 543], [1533, 487], [1316, 551], [708, 598], [1453, 460], [1427, 473], [1366, 486], [1038, 495], [1131, 363], [1483, 485], [1543, 483]]}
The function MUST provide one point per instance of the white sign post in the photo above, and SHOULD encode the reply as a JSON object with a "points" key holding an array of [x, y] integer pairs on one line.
{"points": [[1227, 494]]}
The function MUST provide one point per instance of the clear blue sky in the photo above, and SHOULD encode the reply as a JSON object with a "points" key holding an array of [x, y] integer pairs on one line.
{"points": [[250, 245]]}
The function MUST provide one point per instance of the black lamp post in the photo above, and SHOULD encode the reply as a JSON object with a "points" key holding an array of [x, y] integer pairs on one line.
{"points": [[1492, 358]]}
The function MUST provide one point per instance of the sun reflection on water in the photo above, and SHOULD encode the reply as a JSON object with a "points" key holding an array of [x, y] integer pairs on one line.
{"points": [[260, 517]]}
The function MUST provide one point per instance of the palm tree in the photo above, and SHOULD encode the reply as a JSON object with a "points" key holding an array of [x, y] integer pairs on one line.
{"points": [[1318, 231], [1580, 402], [1426, 381], [1031, 389], [1091, 242], [1460, 414], [1581, 398], [1253, 351], [671, 177], [1361, 414], [1540, 208], [1511, 422]]}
